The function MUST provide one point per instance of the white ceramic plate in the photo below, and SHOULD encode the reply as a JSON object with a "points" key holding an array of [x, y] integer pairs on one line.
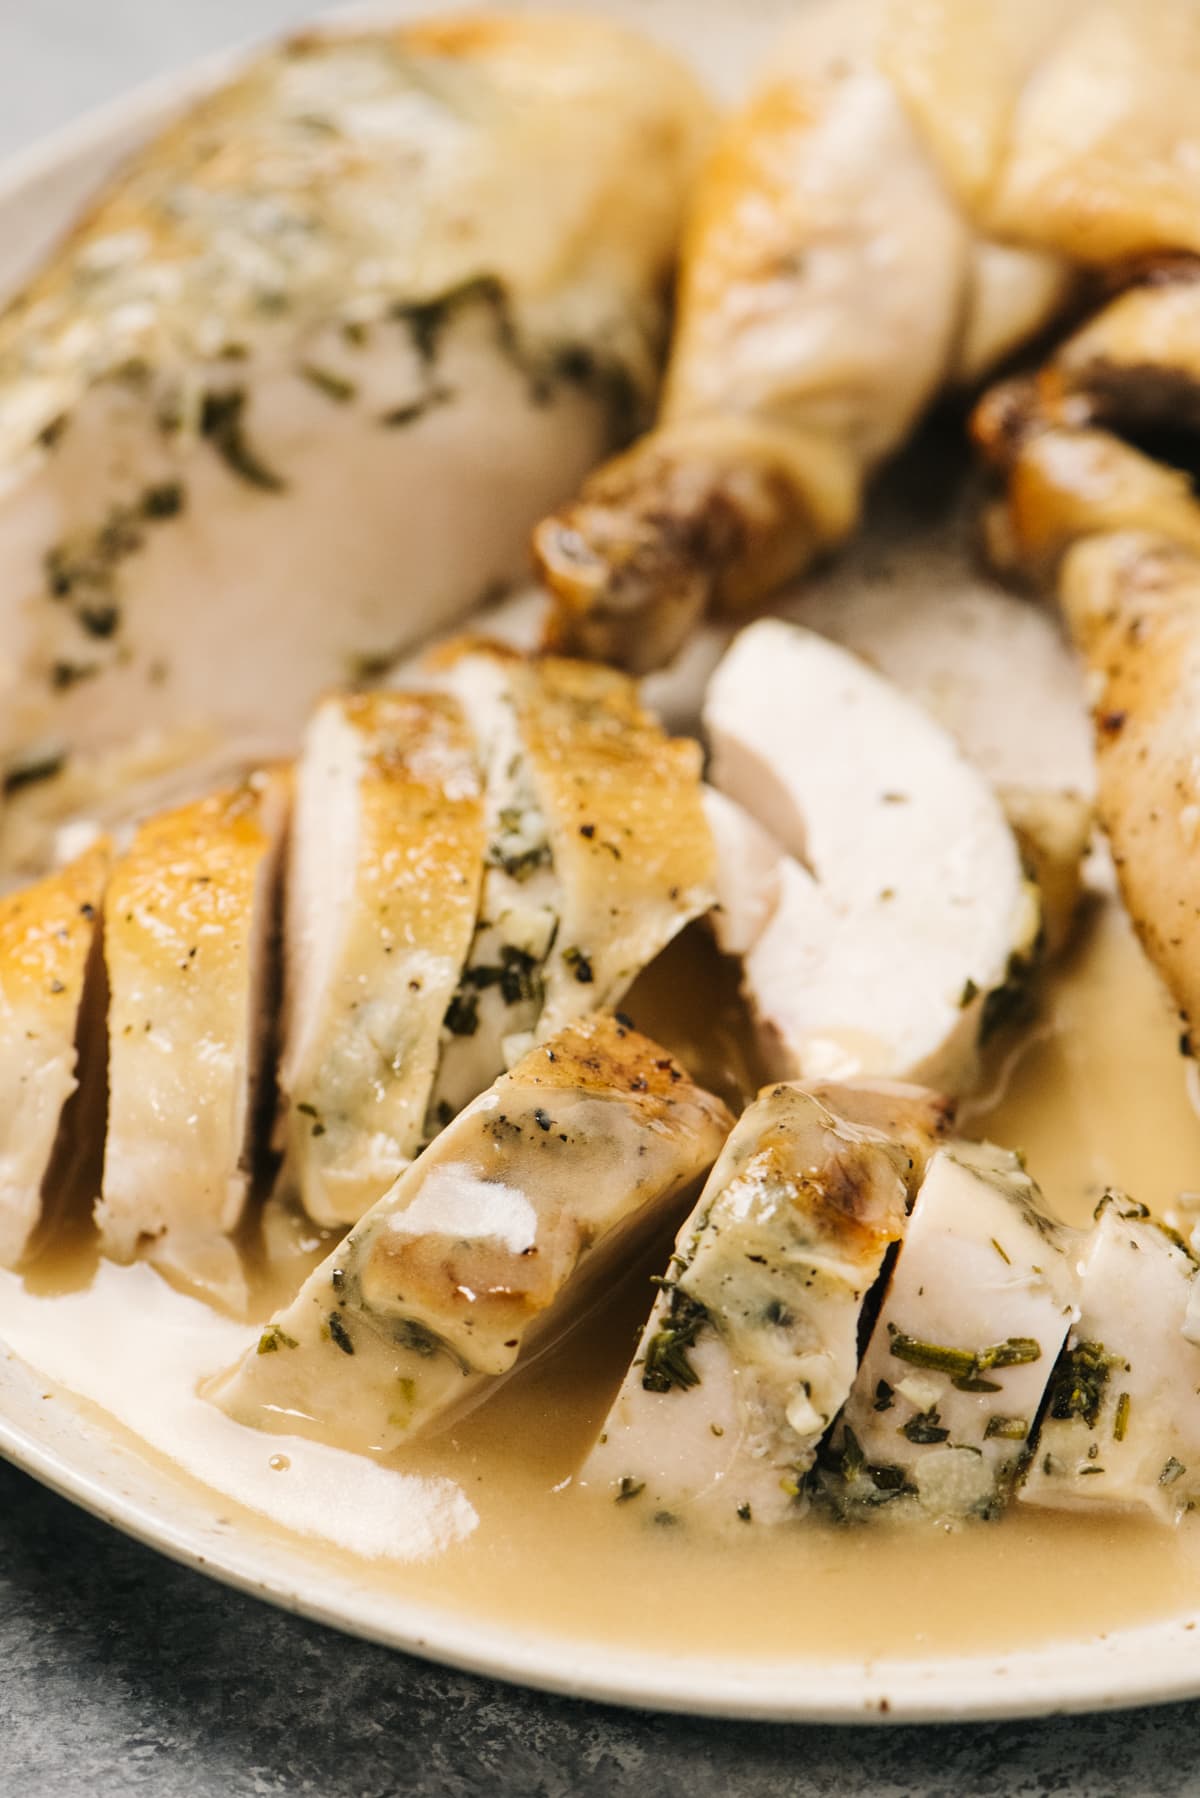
{"points": [[78, 1452]]}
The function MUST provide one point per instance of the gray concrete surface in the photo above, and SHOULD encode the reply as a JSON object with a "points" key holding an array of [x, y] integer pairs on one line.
{"points": [[120, 1673]]}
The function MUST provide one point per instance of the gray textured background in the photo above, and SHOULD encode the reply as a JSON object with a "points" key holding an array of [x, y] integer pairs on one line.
{"points": [[121, 1673]]}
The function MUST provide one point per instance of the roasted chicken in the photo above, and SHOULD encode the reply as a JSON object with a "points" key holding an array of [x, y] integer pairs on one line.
{"points": [[380, 283], [484, 1248], [891, 931], [844, 261]]}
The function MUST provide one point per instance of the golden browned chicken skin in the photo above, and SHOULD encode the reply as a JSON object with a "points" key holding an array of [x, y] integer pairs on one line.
{"points": [[913, 192]]}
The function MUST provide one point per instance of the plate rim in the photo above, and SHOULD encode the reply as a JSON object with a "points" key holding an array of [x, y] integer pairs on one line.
{"points": [[1155, 1663]]}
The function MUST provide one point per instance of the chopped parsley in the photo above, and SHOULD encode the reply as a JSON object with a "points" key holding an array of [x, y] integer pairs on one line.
{"points": [[666, 1362]]}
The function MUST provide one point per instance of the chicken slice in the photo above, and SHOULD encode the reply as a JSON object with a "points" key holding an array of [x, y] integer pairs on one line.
{"points": [[978, 1307], [1133, 603], [904, 916], [750, 867], [599, 852], [484, 1249], [49, 936], [1122, 1429], [383, 886], [381, 281], [752, 1344], [189, 923]]}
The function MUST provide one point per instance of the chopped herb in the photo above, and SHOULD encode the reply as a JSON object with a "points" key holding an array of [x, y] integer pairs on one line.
{"points": [[579, 965], [273, 1339], [965, 1368], [744, 1513], [1006, 1002], [542, 1119], [28, 774], [307, 1110], [970, 991], [665, 1519], [629, 1488], [409, 1334], [885, 1398], [925, 1427], [334, 387], [1078, 1383], [64, 675], [462, 1014], [370, 665], [666, 1363], [427, 320], [164, 500], [776, 1312], [222, 425], [99, 621], [412, 410], [1172, 1470], [999, 1248], [338, 1333], [852, 1458], [518, 976], [1121, 1418], [50, 433], [521, 863], [1008, 1429]]}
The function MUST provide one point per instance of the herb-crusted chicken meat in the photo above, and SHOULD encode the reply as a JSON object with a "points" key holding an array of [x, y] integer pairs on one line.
{"points": [[486, 1246], [379, 282], [752, 1345], [189, 921], [598, 853], [382, 892], [944, 1408]]}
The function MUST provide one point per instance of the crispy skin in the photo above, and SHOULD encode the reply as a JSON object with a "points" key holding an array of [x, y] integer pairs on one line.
{"points": [[830, 287], [917, 188], [1133, 604]]}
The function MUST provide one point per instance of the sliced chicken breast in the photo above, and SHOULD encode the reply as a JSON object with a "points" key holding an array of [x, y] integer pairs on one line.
{"points": [[383, 888], [752, 1344], [598, 854], [1122, 1428], [49, 936], [904, 915], [750, 867], [945, 1403], [485, 1248], [381, 282], [189, 923]]}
